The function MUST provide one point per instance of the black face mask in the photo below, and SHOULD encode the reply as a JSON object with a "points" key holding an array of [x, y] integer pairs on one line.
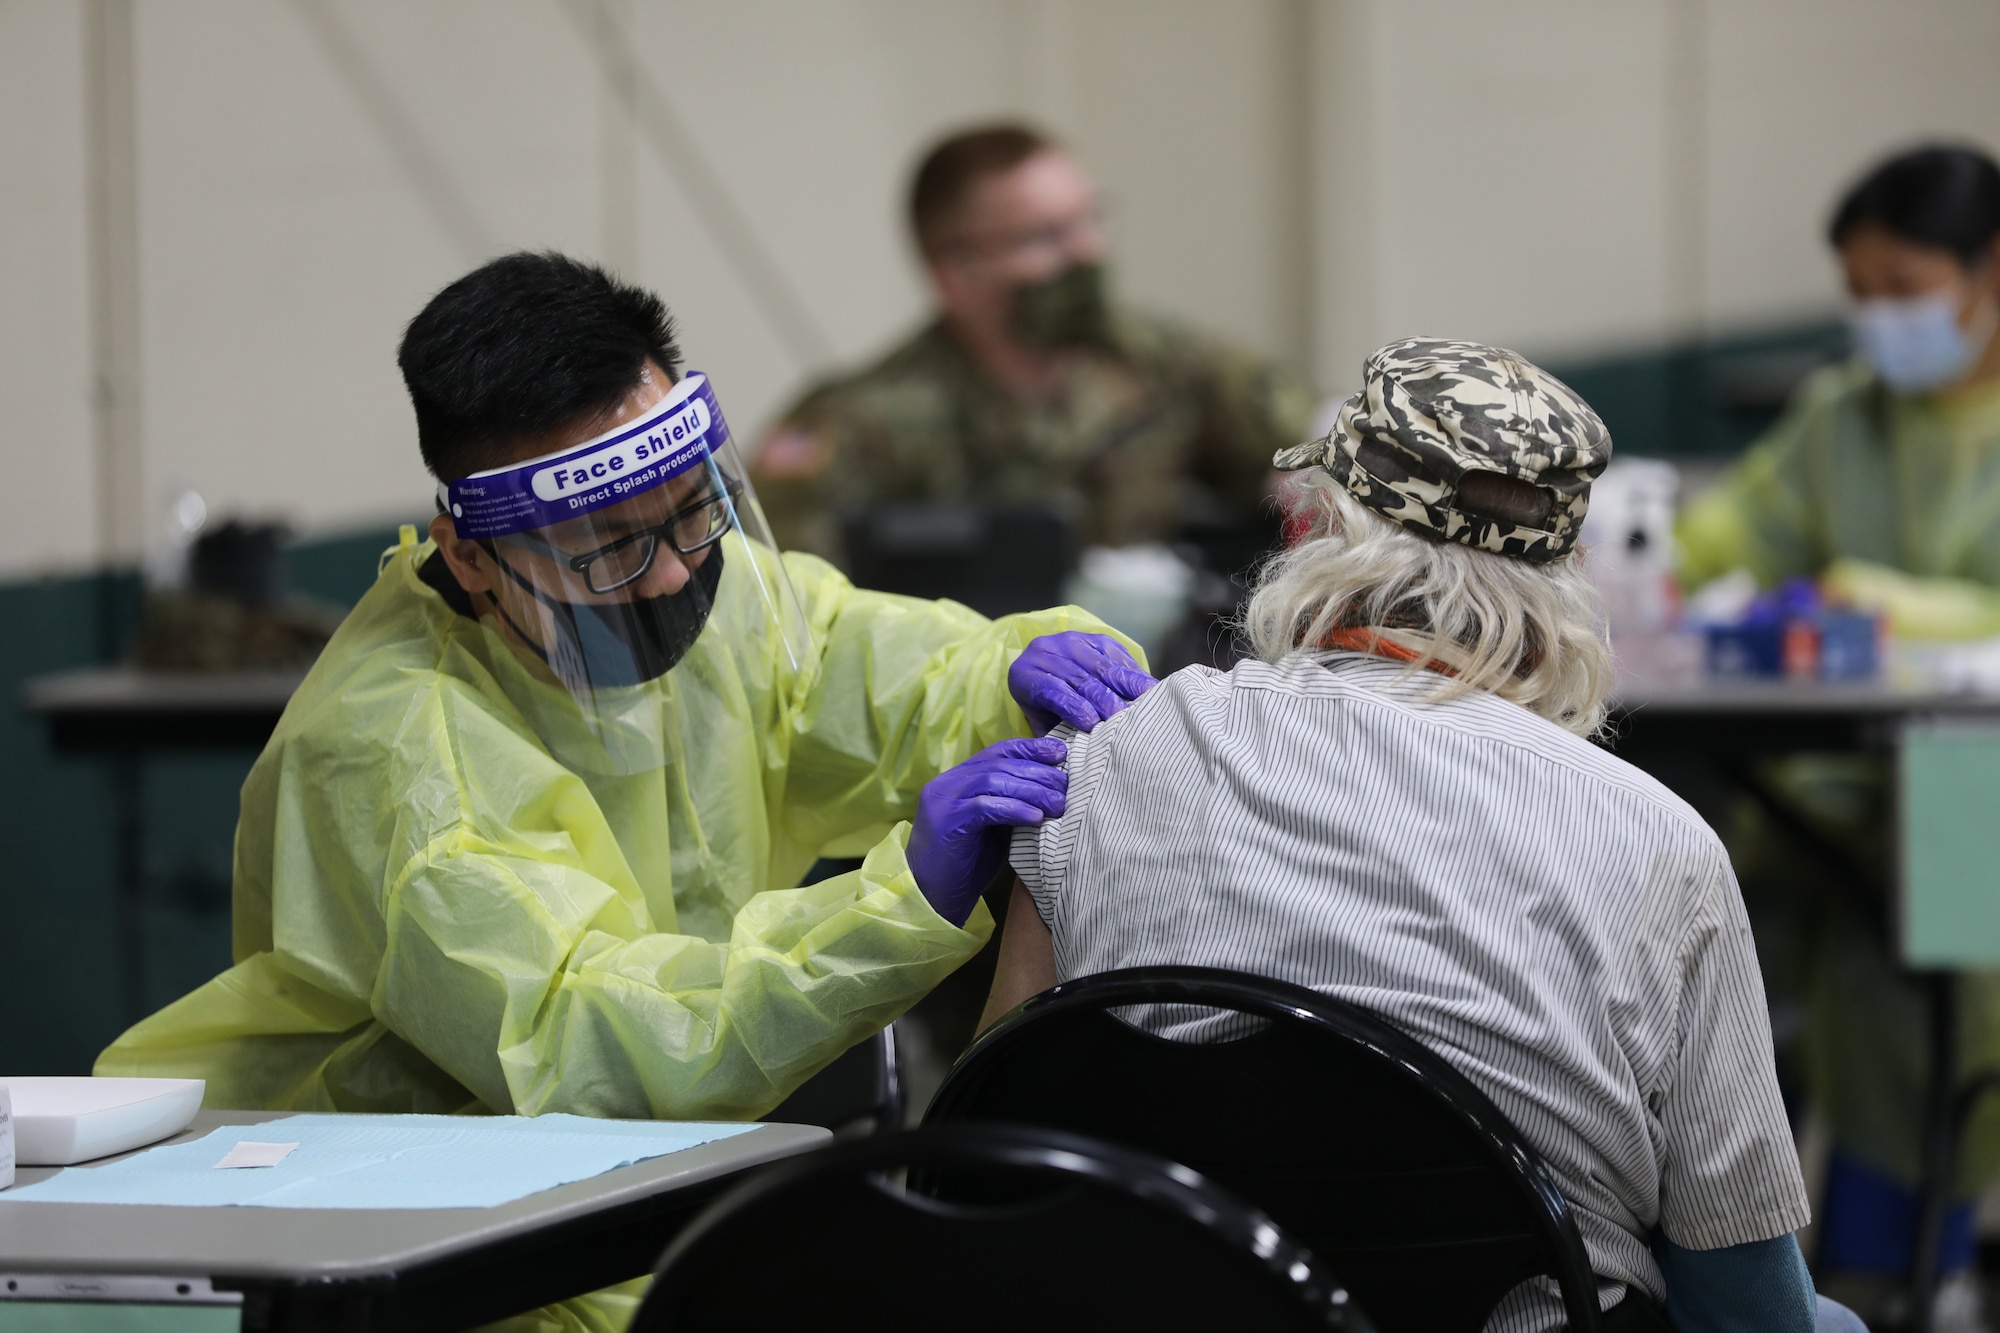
{"points": [[1068, 309], [611, 644]]}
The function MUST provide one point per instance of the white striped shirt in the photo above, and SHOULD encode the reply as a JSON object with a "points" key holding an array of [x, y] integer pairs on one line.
{"points": [[1556, 924]]}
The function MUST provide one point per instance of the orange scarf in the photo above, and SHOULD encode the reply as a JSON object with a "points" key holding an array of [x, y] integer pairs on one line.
{"points": [[1356, 639]]}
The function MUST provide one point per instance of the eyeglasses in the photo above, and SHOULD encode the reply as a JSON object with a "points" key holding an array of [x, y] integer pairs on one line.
{"points": [[691, 530], [1049, 243]]}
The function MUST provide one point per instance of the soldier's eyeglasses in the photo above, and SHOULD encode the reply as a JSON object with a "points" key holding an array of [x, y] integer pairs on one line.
{"points": [[1050, 241]]}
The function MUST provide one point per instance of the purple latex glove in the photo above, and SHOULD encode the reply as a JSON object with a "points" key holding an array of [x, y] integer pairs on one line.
{"points": [[966, 814], [1076, 678]]}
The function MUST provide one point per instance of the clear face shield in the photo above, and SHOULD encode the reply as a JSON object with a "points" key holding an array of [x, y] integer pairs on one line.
{"points": [[634, 569]]}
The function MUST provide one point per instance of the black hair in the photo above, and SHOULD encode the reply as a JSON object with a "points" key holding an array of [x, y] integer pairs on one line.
{"points": [[522, 346], [1938, 195]]}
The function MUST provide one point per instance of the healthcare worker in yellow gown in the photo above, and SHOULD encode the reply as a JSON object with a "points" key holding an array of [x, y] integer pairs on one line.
{"points": [[527, 837], [1883, 477]]}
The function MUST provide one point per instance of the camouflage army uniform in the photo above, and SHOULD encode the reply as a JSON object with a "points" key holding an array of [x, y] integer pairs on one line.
{"points": [[1164, 429]]}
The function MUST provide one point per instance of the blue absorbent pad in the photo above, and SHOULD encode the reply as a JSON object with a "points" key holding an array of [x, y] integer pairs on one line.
{"points": [[379, 1161]]}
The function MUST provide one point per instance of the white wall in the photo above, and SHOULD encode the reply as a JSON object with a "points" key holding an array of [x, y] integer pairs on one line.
{"points": [[309, 171], [1508, 182], [284, 241], [1803, 94], [1311, 176], [1572, 178], [44, 300], [1189, 111]]}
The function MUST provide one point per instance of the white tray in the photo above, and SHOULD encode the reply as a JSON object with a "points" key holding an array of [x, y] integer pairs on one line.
{"points": [[60, 1121]]}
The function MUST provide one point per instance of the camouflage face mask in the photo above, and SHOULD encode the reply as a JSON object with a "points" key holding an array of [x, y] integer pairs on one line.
{"points": [[1466, 443], [1069, 309]]}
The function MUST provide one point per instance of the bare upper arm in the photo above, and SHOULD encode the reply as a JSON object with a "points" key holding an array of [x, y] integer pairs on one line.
{"points": [[1027, 963]]}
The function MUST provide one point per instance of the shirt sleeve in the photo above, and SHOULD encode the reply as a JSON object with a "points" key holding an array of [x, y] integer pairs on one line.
{"points": [[541, 987], [1762, 514], [1041, 852], [1917, 607], [1731, 1173]]}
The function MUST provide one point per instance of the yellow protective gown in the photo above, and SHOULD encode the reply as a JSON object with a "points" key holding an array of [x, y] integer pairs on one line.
{"points": [[448, 900], [1898, 497], [1895, 502]]}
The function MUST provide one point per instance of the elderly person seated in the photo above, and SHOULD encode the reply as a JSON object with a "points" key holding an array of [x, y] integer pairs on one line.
{"points": [[1396, 803]]}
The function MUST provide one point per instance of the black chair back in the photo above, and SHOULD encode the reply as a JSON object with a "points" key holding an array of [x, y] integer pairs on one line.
{"points": [[1367, 1147], [1084, 1235], [861, 1092]]}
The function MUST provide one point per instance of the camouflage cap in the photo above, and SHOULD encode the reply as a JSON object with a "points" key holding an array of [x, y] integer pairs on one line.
{"points": [[1432, 412]]}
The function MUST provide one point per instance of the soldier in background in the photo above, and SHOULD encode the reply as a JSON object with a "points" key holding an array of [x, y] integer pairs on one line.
{"points": [[1030, 384]]}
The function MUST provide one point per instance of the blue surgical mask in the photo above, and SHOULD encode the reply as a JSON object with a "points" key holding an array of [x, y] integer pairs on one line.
{"points": [[1915, 345]]}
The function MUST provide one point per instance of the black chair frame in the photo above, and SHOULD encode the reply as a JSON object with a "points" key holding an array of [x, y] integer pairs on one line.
{"points": [[934, 1162], [965, 1088]]}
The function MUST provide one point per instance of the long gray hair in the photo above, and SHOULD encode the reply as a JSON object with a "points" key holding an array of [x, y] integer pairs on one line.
{"points": [[1530, 633]]}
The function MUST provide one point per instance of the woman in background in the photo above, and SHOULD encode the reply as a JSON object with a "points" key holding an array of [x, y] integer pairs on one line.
{"points": [[1883, 481], [1891, 460]]}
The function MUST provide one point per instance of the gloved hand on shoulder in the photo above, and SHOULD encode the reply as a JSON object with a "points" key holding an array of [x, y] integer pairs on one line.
{"points": [[1076, 678], [966, 814]]}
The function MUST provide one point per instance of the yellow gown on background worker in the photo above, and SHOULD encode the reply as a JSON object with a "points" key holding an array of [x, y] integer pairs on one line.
{"points": [[448, 899], [1893, 500], [1894, 497]]}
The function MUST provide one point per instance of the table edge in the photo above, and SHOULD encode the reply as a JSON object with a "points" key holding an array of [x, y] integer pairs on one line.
{"points": [[651, 1178]]}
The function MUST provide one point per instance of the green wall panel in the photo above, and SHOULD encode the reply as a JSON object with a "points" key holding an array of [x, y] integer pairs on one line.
{"points": [[1949, 798], [1701, 400], [51, 1317], [57, 853]]}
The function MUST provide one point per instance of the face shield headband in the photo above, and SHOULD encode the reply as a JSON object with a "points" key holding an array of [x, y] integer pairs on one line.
{"points": [[677, 436]]}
